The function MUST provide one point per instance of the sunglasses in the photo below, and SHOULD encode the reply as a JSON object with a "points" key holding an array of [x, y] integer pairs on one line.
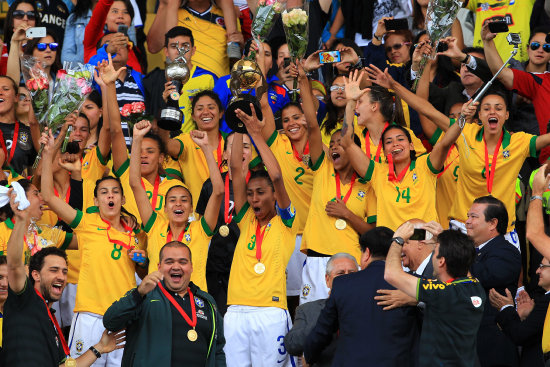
{"points": [[23, 96], [397, 46], [535, 46], [20, 14], [335, 88], [42, 46]]}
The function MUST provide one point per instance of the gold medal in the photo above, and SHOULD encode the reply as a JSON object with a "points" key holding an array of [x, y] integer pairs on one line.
{"points": [[192, 335], [224, 230], [340, 224], [259, 268], [70, 362]]}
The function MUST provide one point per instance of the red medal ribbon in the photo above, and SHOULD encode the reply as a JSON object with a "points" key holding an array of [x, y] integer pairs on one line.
{"points": [[379, 149], [448, 165], [297, 155], [67, 195], [259, 240], [227, 217], [14, 141], [490, 171], [191, 321], [66, 349], [155, 191], [180, 237], [118, 242], [219, 150], [338, 192], [391, 169]]}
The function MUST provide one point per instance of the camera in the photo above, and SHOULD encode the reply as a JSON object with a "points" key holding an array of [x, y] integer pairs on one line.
{"points": [[513, 39]]}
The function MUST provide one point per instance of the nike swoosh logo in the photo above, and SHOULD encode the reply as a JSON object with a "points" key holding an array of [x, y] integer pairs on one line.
{"points": [[155, 300], [100, 229], [288, 153]]}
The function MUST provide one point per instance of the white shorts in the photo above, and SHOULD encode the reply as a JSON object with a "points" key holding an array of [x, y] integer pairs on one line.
{"points": [[294, 269], [64, 308], [255, 336], [511, 236], [314, 285], [86, 330]]}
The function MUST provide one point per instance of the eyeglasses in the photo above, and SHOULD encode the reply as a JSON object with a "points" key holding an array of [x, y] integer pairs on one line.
{"points": [[335, 88], [42, 46], [535, 46], [23, 96], [397, 46], [20, 14], [543, 266]]}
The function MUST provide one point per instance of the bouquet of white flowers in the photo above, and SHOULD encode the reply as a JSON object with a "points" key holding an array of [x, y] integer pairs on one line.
{"points": [[295, 24]]}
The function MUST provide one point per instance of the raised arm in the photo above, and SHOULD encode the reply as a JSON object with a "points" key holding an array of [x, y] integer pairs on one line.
{"points": [[357, 157], [254, 127], [394, 273], [422, 106], [142, 201], [237, 177], [440, 150], [214, 202], [58, 205], [535, 222], [493, 58], [423, 91], [17, 272], [165, 19], [104, 138], [308, 105], [14, 67]]}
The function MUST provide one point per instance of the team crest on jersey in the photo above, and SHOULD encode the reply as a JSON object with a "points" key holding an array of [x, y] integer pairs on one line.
{"points": [[188, 237], [220, 21], [506, 153], [79, 345], [361, 194], [484, 6], [415, 177], [24, 137], [199, 302], [476, 301], [305, 290], [39, 6]]}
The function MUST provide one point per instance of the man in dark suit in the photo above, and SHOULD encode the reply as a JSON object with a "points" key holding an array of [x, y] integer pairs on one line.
{"points": [[308, 313], [368, 336], [497, 265], [524, 326]]}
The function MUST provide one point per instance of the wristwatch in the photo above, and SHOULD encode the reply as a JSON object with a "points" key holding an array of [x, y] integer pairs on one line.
{"points": [[535, 197], [400, 241]]}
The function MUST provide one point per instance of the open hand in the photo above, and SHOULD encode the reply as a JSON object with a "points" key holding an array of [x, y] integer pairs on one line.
{"points": [[498, 300], [541, 181], [382, 78], [107, 71], [110, 341], [393, 298], [253, 125], [353, 91]]}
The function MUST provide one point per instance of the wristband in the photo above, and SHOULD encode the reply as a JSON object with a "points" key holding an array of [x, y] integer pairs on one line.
{"points": [[379, 38], [535, 197], [465, 59], [95, 351]]}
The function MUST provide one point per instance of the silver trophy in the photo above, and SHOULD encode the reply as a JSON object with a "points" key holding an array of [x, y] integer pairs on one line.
{"points": [[178, 73]]}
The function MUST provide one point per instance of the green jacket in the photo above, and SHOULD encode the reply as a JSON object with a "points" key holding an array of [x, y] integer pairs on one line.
{"points": [[149, 328]]}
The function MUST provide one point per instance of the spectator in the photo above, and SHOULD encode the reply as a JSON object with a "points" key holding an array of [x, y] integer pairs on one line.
{"points": [[169, 333], [23, 105], [53, 15], [30, 297], [308, 313], [391, 338], [454, 301], [524, 326], [199, 78], [47, 50], [497, 265], [208, 24], [334, 28], [398, 45], [93, 109], [73, 41], [20, 13], [107, 16]]}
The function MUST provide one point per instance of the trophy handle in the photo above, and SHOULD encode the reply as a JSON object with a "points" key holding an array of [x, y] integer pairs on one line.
{"points": [[262, 88]]}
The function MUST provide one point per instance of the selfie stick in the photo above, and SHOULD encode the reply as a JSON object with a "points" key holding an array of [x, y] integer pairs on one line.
{"points": [[462, 118]]}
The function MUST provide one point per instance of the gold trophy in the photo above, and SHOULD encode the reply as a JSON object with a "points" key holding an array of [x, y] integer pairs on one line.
{"points": [[177, 71], [245, 77]]}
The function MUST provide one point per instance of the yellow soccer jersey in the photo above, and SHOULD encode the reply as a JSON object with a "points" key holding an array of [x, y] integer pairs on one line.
{"points": [[320, 233], [413, 197], [44, 237], [172, 168], [197, 236], [93, 168], [297, 176], [210, 38], [165, 184], [246, 287], [193, 163], [200, 80], [446, 182], [517, 14], [106, 272], [472, 182]]}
